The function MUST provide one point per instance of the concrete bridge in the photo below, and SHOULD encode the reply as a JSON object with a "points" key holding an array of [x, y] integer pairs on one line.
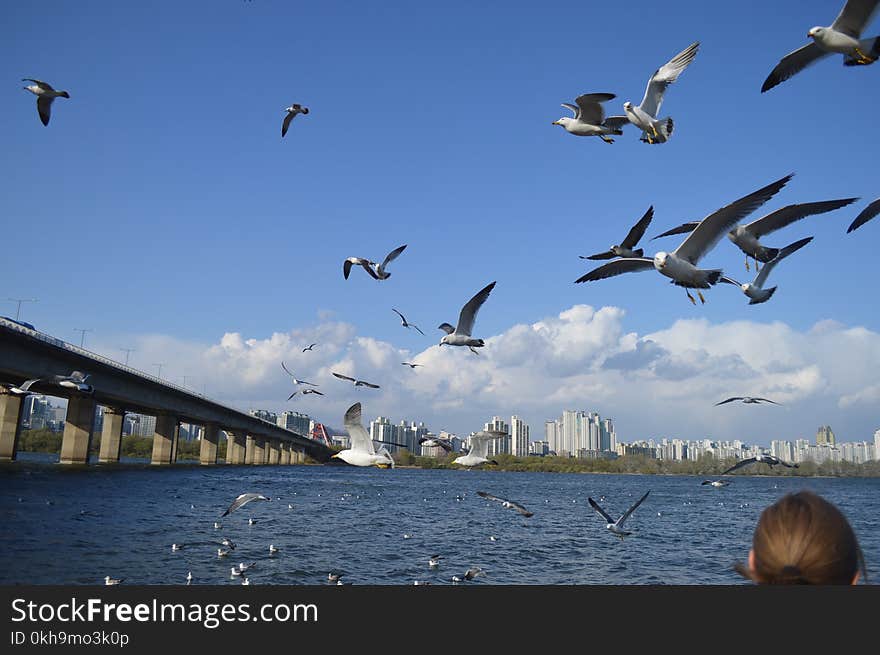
{"points": [[28, 354]]}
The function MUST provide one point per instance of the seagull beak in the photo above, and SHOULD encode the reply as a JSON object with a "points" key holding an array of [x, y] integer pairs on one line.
{"points": [[555, 123], [334, 455]]}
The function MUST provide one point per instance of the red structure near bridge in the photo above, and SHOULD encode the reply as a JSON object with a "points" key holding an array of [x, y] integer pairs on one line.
{"points": [[319, 433]]}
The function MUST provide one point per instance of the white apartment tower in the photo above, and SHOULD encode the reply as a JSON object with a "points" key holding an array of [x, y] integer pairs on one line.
{"points": [[519, 434]]}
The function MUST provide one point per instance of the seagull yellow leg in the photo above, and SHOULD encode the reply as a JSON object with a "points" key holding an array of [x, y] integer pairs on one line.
{"points": [[690, 296], [654, 130], [702, 300], [863, 58], [606, 139], [747, 262]]}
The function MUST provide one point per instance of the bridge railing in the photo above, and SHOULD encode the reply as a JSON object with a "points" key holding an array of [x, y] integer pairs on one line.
{"points": [[58, 343]]}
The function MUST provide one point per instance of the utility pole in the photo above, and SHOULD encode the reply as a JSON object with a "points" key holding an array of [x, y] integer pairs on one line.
{"points": [[127, 352], [160, 370], [19, 301], [83, 337]]}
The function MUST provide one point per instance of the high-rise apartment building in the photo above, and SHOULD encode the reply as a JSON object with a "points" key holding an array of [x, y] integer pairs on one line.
{"points": [[519, 437], [502, 445], [825, 436]]}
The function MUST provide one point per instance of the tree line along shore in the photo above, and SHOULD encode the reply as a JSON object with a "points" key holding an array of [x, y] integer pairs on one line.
{"points": [[46, 441]]}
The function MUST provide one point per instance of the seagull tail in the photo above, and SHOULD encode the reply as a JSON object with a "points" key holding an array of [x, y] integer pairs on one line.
{"points": [[713, 276], [639, 253], [665, 128], [765, 298]]}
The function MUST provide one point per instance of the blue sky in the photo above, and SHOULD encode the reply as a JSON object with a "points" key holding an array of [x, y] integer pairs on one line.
{"points": [[161, 204]]}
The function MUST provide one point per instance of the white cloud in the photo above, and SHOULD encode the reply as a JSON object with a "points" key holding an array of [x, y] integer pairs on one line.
{"points": [[661, 384]]}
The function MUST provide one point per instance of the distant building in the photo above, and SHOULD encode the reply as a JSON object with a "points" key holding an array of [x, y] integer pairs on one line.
{"points": [[519, 437], [264, 414], [825, 436], [502, 445], [296, 422], [539, 448]]}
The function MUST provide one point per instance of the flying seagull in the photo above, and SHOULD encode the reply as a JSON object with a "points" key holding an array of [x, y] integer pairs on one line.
{"points": [[748, 400], [357, 383], [681, 264], [625, 249], [755, 289], [507, 503], [432, 442], [658, 130], [362, 451], [294, 379], [292, 111], [410, 364], [843, 37], [769, 460], [24, 387], [478, 454], [716, 483], [309, 347], [866, 215], [45, 96], [746, 237], [470, 574], [616, 527], [406, 323], [376, 271], [242, 500], [304, 392], [589, 117], [460, 335]]}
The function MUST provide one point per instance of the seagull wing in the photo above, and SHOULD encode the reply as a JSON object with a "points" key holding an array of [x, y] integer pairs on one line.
{"points": [[684, 228], [767, 400], [591, 110], [712, 228], [599, 510], [854, 16], [286, 123], [638, 230], [364, 383], [445, 445], [729, 400], [793, 62], [740, 464], [469, 312], [574, 109], [791, 466], [608, 254], [664, 76], [360, 439], [344, 377], [632, 509], [787, 215], [729, 280], [346, 269], [27, 384], [286, 370], [43, 85], [391, 256], [44, 108], [292, 395], [446, 327], [242, 500], [417, 328], [761, 277], [489, 496], [616, 122], [519, 508], [866, 215], [402, 317], [480, 442], [617, 267]]}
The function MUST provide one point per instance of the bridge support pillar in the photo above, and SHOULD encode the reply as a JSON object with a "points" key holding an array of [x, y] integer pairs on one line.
{"points": [[163, 439], [274, 452], [208, 447], [297, 456], [249, 447], [235, 447], [260, 451], [284, 457], [78, 427], [111, 435], [175, 443], [10, 425]]}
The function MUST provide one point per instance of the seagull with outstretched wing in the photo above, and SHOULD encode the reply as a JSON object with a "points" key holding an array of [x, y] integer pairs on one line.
{"points": [[755, 289], [460, 335], [292, 111], [243, 500], [625, 249], [616, 526], [506, 503], [589, 117], [843, 36], [681, 264], [748, 400], [362, 451], [769, 460], [654, 129], [45, 97], [406, 323]]}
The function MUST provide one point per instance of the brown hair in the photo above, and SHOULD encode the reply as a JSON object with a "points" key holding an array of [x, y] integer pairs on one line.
{"points": [[803, 539]]}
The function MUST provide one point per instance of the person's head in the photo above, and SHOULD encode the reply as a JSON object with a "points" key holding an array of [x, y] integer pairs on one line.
{"points": [[803, 539]]}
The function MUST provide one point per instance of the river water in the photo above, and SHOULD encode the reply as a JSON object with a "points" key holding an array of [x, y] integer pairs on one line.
{"points": [[74, 526]]}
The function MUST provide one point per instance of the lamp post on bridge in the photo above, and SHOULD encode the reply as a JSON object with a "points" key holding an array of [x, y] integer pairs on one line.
{"points": [[127, 352], [82, 339], [159, 375], [19, 301]]}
